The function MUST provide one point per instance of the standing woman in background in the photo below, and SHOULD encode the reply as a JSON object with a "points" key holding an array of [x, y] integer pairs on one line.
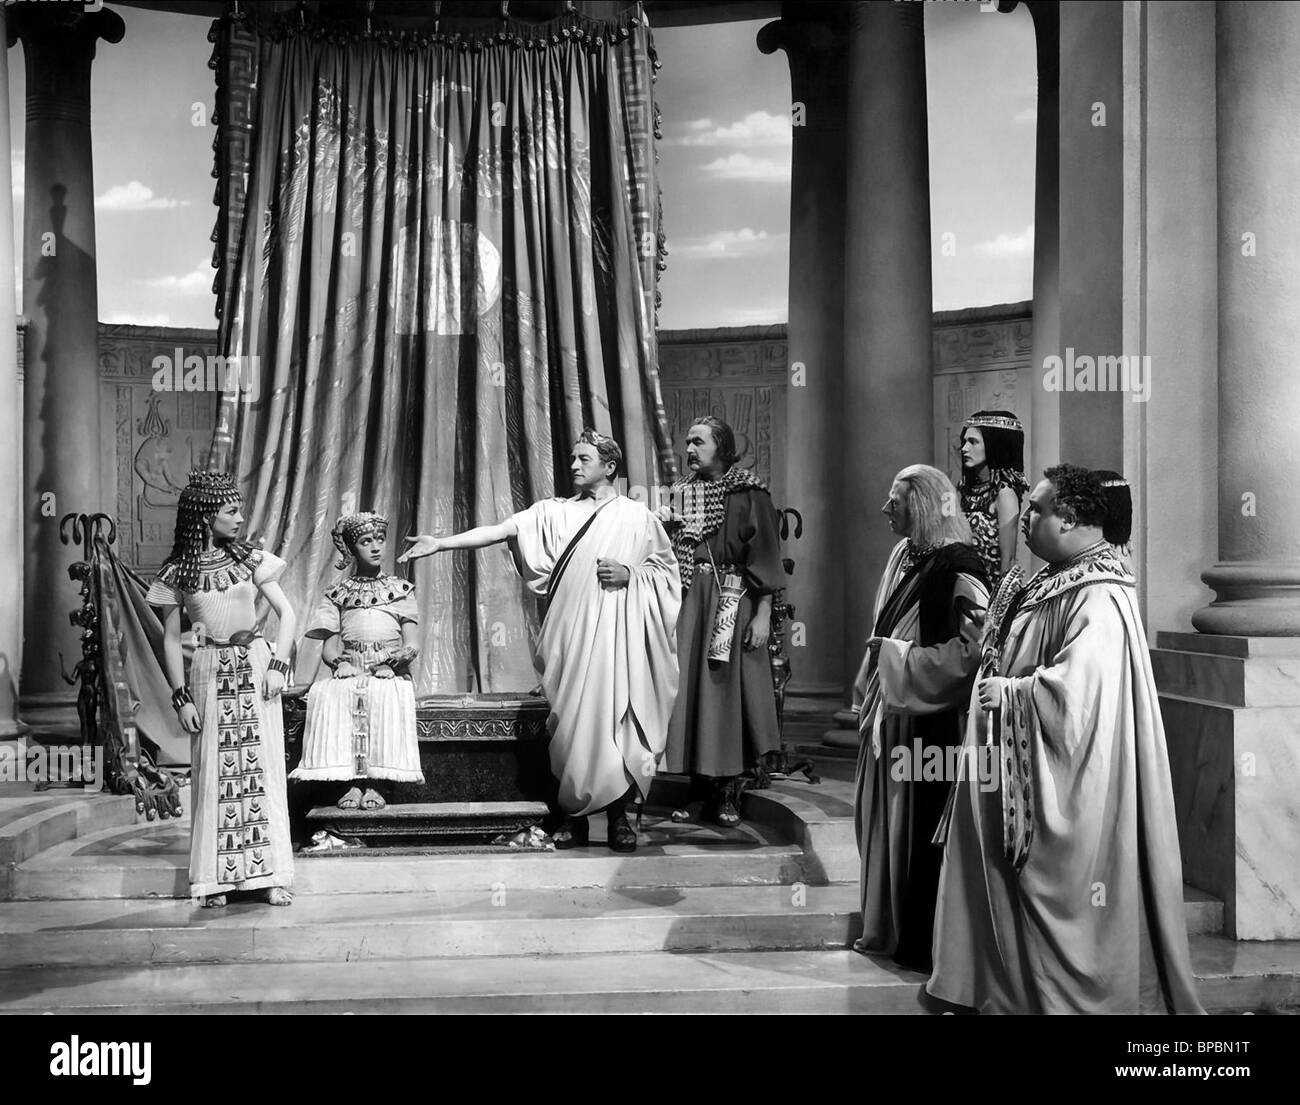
{"points": [[992, 486]]}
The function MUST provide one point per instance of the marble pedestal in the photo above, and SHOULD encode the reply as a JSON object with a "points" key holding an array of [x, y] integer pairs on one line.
{"points": [[1231, 708]]}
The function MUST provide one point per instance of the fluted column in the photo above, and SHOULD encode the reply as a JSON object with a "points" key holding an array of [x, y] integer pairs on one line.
{"points": [[888, 301], [11, 428], [1257, 578], [61, 356], [814, 43]]}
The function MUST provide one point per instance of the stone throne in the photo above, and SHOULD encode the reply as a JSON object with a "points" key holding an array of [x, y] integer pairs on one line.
{"points": [[486, 772], [485, 760]]}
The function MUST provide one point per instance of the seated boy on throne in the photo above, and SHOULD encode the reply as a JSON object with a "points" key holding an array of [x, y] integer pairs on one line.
{"points": [[361, 723]]}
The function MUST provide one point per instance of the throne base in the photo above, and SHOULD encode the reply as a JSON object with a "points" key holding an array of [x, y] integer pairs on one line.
{"points": [[486, 772]]}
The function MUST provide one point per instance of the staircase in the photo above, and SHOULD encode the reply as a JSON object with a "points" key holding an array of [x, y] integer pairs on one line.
{"points": [[699, 919]]}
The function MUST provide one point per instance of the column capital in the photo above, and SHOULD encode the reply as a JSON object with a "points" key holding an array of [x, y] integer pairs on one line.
{"points": [[59, 44], [63, 24], [816, 47], [1046, 15]]}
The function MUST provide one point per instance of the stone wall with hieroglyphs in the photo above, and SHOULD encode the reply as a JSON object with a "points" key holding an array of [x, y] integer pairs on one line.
{"points": [[151, 439], [738, 374], [980, 361]]}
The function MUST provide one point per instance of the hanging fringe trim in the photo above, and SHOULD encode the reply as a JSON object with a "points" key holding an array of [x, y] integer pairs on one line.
{"points": [[458, 33]]}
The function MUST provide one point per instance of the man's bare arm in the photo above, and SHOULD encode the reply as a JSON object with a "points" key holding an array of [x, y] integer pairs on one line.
{"points": [[480, 537]]}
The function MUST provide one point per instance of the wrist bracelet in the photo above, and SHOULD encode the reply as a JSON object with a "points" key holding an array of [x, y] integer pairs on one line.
{"points": [[181, 697], [282, 666]]}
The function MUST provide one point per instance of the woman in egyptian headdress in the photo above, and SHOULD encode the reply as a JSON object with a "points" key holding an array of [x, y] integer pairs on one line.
{"points": [[361, 723], [230, 705], [992, 486]]}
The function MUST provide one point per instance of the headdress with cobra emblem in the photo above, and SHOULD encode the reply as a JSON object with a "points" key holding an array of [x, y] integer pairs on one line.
{"points": [[187, 568]]}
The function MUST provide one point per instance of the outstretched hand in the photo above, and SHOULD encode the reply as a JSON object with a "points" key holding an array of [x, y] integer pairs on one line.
{"points": [[422, 544]]}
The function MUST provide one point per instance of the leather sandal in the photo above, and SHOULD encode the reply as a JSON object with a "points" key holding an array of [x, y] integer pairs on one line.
{"points": [[621, 837], [574, 833], [725, 814]]}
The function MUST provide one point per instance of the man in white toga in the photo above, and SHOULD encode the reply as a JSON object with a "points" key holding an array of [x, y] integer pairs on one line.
{"points": [[607, 651]]}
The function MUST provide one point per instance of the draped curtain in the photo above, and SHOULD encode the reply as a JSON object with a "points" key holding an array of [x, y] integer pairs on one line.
{"points": [[436, 256]]}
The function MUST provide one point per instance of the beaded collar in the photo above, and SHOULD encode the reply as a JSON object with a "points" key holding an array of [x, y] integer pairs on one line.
{"points": [[986, 490], [216, 570], [359, 592], [913, 554], [1097, 563]]}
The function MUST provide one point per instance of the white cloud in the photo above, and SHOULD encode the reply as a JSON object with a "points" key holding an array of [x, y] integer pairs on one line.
{"points": [[197, 281], [1006, 246], [758, 128], [740, 166], [1026, 115], [728, 244], [769, 315], [132, 318], [135, 197]]}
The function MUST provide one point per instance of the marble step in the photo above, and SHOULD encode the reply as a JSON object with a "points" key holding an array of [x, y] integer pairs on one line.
{"points": [[824, 982], [487, 922], [1203, 912], [428, 822], [1232, 977], [1249, 680], [32, 821], [150, 861]]}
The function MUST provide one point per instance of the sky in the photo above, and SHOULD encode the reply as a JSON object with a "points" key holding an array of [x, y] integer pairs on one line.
{"points": [[725, 167]]}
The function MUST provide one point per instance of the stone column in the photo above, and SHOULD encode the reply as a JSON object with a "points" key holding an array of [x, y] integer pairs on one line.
{"points": [[1043, 430], [888, 300], [11, 428], [1229, 694], [1091, 229], [61, 357], [816, 50], [1257, 578]]}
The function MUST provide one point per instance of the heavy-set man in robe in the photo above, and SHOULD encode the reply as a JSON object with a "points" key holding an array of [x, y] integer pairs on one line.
{"points": [[1062, 890], [607, 648]]}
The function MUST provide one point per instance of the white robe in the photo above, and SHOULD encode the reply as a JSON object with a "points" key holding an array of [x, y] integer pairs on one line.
{"points": [[607, 655], [1093, 922]]}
